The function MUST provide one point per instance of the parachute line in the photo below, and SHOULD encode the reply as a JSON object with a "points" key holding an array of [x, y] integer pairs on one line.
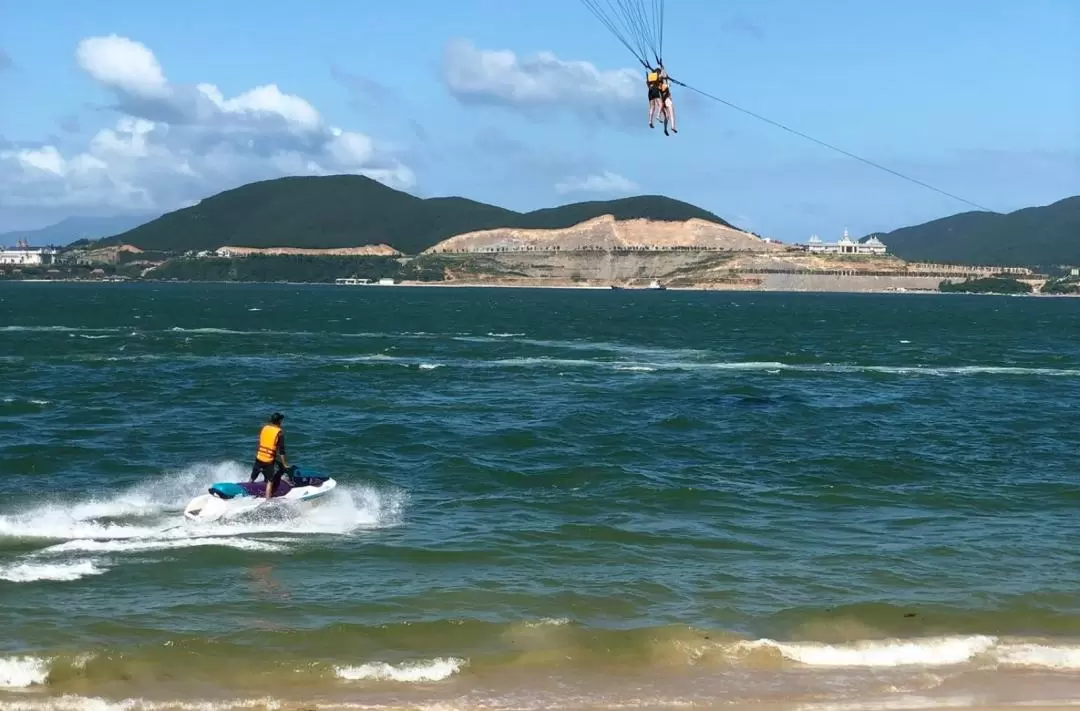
{"points": [[828, 145], [637, 24]]}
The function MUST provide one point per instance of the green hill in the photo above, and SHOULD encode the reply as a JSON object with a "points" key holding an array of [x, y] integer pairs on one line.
{"points": [[1038, 237], [350, 211]]}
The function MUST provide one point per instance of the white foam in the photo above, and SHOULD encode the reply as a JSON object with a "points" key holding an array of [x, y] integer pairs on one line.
{"points": [[1042, 656], [430, 366], [32, 571], [61, 329], [548, 622], [21, 672], [776, 366], [930, 651], [218, 331], [154, 544], [11, 400], [408, 672]]}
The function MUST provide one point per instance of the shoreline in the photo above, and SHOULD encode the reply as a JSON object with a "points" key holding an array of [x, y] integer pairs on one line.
{"points": [[559, 286]]}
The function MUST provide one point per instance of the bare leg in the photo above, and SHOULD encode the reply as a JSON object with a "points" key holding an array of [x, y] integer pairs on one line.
{"points": [[653, 106], [670, 112]]}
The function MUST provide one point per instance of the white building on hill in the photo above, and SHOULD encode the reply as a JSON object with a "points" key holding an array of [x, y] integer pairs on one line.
{"points": [[846, 245]]}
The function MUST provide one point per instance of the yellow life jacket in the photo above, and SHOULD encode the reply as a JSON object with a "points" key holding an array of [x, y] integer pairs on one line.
{"points": [[267, 443], [652, 77]]}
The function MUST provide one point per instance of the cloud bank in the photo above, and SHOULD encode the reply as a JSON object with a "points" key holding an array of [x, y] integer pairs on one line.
{"points": [[175, 143]]}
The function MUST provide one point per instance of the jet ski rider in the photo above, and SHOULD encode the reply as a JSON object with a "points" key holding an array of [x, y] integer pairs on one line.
{"points": [[270, 459]]}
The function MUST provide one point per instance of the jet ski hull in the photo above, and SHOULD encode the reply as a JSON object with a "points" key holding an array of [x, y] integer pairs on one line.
{"points": [[228, 500]]}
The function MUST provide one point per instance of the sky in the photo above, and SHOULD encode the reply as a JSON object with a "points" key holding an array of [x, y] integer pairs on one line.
{"points": [[118, 107]]}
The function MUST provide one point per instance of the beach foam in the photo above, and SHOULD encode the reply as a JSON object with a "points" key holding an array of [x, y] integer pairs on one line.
{"points": [[407, 672]]}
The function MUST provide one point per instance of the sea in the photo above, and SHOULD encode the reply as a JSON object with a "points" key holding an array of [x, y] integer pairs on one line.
{"points": [[547, 499]]}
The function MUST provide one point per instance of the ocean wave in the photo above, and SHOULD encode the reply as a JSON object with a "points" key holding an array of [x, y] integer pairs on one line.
{"points": [[30, 571], [563, 650], [927, 652], [670, 363], [157, 544], [23, 671], [12, 400], [409, 672]]}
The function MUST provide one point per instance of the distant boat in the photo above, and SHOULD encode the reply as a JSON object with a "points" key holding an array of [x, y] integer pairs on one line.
{"points": [[656, 286], [616, 287]]}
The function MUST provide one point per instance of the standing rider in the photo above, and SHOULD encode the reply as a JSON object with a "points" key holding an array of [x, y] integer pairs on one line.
{"points": [[270, 458]]}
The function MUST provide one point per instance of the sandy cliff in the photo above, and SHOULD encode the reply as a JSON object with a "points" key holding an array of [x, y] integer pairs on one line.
{"points": [[605, 233]]}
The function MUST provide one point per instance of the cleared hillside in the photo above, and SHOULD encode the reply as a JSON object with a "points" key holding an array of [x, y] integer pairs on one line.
{"points": [[352, 211]]}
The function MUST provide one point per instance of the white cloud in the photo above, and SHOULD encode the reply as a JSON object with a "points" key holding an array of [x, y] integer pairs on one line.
{"points": [[176, 143], [606, 182], [542, 81], [118, 62]]}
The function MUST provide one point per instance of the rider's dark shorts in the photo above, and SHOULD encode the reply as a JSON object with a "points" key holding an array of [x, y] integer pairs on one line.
{"points": [[654, 94], [271, 471]]}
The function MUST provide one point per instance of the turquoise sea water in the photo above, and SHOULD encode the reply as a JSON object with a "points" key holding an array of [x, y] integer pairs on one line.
{"points": [[547, 499]]}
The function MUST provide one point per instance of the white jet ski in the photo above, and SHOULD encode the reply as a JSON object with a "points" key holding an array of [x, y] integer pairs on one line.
{"points": [[227, 500]]}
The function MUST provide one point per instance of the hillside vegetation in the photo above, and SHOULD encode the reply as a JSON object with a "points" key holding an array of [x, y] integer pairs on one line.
{"points": [[1038, 237], [351, 211]]}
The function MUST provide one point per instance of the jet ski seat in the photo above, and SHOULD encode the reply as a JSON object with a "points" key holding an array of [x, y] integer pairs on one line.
{"points": [[227, 490]]}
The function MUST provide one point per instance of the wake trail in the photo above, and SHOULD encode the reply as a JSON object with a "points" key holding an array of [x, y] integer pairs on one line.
{"points": [[82, 537]]}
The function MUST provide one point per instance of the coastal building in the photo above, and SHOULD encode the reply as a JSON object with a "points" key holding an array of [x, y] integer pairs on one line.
{"points": [[23, 256], [846, 245]]}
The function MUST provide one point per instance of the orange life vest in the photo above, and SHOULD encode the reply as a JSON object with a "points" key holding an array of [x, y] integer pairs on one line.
{"points": [[267, 443]]}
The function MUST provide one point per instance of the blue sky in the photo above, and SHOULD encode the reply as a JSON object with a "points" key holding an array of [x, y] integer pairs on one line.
{"points": [[980, 98]]}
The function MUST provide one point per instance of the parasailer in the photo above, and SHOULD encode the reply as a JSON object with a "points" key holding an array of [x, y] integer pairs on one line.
{"points": [[639, 25], [652, 82]]}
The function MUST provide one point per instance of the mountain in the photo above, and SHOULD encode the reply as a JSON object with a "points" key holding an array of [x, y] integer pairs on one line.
{"points": [[1033, 237], [77, 228], [351, 211]]}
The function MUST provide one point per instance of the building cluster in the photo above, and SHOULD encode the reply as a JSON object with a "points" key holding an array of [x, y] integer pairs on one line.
{"points": [[21, 255], [845, 245]]}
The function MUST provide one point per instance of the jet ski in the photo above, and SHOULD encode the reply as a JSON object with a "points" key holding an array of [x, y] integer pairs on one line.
{"points": [[227, 499]]}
